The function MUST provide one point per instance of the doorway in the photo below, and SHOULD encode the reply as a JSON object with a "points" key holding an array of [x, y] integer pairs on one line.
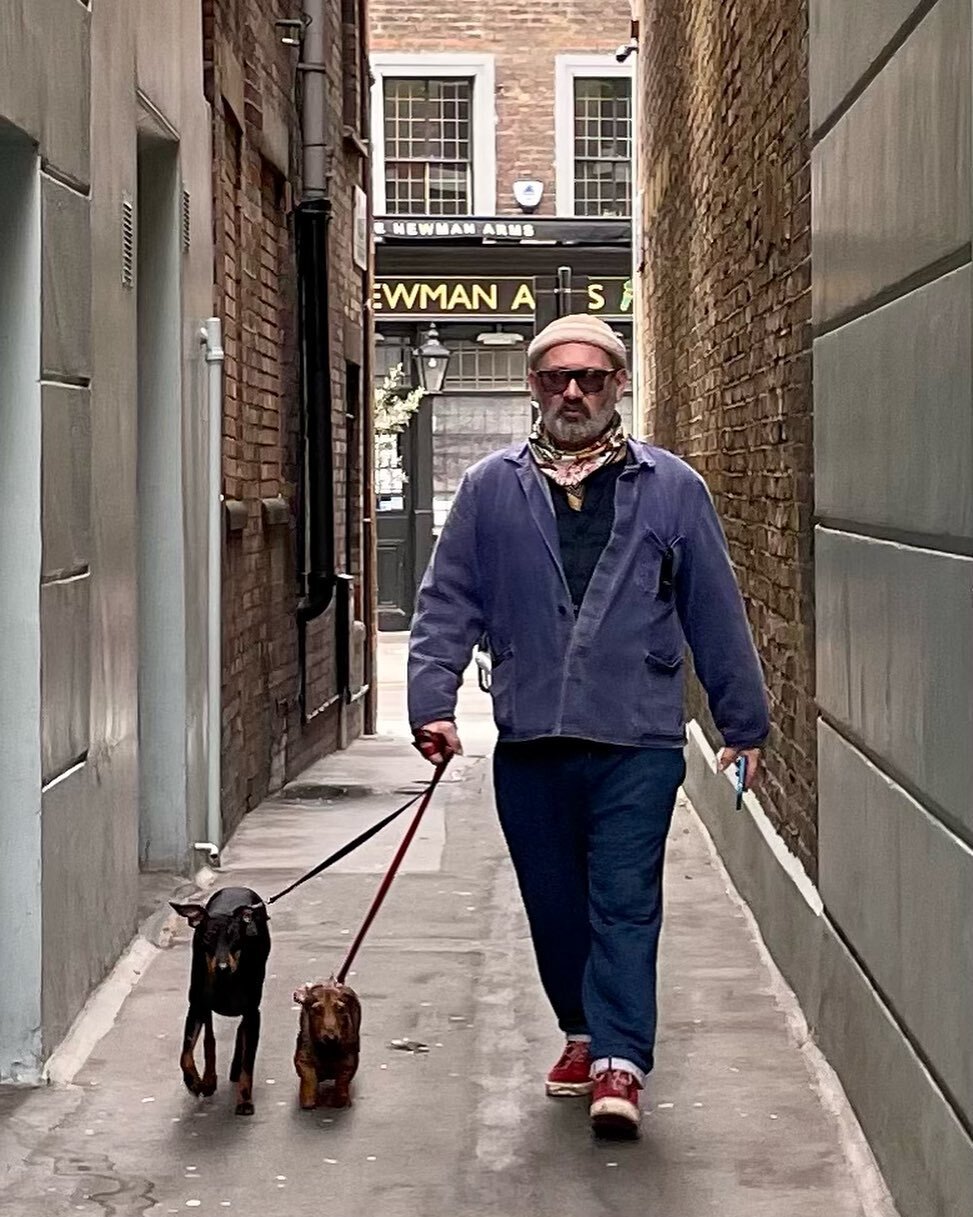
{"points": [[163, 831], [403, 493]]}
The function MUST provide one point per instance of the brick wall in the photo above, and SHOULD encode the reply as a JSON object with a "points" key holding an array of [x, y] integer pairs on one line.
{"points": [[250, 81], [524, 36], [727, 361]]}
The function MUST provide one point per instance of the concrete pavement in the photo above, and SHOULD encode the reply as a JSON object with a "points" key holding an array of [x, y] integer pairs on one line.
{"points": [[741, 1120]]}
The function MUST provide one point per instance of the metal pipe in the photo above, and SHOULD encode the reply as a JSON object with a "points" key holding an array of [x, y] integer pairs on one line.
{"points": [[313, 216], [367, 450], [313, 220], [315, 101], [212, 336], [638, 321]]}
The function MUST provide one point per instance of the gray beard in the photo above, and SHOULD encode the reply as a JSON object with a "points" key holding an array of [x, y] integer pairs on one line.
{"points": [[576, 434]]}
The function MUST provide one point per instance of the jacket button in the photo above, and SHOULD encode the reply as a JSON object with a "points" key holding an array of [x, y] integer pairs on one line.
{"points": [[562, 609]]}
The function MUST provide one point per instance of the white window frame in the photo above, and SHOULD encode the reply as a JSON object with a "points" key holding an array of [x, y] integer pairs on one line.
{"points": [[566, 70], [478, 68]]}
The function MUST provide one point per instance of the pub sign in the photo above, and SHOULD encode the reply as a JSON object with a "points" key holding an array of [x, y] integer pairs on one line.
{"points": [[510, 297]]}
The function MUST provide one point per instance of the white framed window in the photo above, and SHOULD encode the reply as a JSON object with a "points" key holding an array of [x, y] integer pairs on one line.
{"points": [[593, 135], [433, 134]]}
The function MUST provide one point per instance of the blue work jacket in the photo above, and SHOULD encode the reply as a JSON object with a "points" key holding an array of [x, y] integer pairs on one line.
{"points": [[614, 672]]}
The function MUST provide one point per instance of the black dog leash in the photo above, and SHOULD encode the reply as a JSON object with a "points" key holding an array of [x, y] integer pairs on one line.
{"points": [[424, 741], [351, 846]]}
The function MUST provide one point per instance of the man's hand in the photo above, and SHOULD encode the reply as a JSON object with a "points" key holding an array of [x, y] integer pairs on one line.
{"points": [[755, 764], [438, 741]]}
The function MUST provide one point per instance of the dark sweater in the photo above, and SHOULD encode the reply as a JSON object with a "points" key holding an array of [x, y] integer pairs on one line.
{"points": [[584, 534]]}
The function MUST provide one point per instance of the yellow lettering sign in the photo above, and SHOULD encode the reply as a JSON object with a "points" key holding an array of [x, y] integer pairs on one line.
{"points": [[430, 294], [596, 297], [485, 296], [460, 299], [397, 294], [523, 299]]}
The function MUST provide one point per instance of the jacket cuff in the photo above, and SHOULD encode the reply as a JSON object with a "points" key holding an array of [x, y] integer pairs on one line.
{"points": [[742, 743], [447, 716]]}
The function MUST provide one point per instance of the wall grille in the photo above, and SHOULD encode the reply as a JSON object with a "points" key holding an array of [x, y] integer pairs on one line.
{"points": [[186, 220], [128, 242]]}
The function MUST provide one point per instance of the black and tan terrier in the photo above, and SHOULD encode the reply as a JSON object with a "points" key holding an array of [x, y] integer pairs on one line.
{"points": [[231, 943]]}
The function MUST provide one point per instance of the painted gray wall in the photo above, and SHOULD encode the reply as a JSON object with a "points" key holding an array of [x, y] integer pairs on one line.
{"points": [[890, 183], [893, 410], [20, 561], [145, 79], [70, 810], [894, 426]]}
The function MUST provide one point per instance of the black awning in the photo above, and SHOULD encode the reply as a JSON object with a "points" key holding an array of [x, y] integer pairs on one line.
{"points": [[502, 230]]}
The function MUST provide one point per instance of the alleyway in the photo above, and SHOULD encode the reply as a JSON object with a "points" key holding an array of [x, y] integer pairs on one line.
{"points": [[734, 1125]]}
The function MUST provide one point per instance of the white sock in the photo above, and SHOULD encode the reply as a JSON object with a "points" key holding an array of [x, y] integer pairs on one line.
{"points": [[618, 1062], [579, 1039]]}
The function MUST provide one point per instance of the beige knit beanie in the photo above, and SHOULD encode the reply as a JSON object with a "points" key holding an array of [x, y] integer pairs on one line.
{"points": [[578, 327]]}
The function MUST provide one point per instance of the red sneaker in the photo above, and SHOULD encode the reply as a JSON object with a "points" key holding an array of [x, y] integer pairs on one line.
{"points": [[572, 1073], [615, 1104]]}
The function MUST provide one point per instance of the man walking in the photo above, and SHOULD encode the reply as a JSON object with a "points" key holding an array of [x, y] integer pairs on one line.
{"points": [[589, 561]]}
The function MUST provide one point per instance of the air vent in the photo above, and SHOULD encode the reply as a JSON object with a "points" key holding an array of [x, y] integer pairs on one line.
{"points": [[186, 231], [128, 242]]}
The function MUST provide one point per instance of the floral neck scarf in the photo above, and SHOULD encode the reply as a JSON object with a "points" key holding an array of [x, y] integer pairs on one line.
{"points": [[569, 469]]}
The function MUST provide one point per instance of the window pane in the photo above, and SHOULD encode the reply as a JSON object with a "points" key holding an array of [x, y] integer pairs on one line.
{"points": [[603, 146], [448, 189], [473, 365], [405, 188], [428, 146]]}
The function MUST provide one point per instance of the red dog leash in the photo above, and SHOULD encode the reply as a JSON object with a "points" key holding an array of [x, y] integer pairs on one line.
{"points": [[396, 862]]}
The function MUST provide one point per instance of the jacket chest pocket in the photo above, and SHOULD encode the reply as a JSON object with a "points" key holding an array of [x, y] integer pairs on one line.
{"points": [[656, 575], [657, 563]]}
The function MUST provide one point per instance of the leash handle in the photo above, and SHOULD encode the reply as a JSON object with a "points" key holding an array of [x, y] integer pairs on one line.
{"points": [[390, 874], [428, 743]]}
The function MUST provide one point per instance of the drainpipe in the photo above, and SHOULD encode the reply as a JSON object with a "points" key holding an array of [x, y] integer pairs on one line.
{"points": [[367, 451], [211, 336], [313, 219], [638, 385], [315, 101]]}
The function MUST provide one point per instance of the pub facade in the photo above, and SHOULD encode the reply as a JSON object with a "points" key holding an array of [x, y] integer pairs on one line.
{"points": [[502, 188], [479, 289]]}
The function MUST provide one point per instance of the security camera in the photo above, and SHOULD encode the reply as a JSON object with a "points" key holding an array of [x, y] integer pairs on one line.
{"points": [[626, 49]]}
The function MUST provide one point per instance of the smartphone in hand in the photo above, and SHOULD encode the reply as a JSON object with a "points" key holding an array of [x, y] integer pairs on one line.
{"points": [[741, 779]]}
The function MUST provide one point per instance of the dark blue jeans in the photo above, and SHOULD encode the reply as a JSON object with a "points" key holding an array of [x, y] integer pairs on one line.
{"points": [[586, 827]]}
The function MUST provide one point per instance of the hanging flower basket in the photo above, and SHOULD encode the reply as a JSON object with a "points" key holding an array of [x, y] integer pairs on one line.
{"points": [[395, 404]]}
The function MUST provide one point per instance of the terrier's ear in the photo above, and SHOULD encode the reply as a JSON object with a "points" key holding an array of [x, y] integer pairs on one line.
{"points": [[248, 915], [300, 995], [195, 914]]}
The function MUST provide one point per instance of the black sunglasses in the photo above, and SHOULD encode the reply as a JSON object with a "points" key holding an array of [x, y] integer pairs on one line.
{"points": [[588, 380]]}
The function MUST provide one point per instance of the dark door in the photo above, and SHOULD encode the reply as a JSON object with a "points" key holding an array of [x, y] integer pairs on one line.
{"points": [[403, 483]]}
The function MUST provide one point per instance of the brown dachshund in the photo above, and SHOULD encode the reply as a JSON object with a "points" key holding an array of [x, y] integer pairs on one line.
{"points": [[327, 1043]]}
